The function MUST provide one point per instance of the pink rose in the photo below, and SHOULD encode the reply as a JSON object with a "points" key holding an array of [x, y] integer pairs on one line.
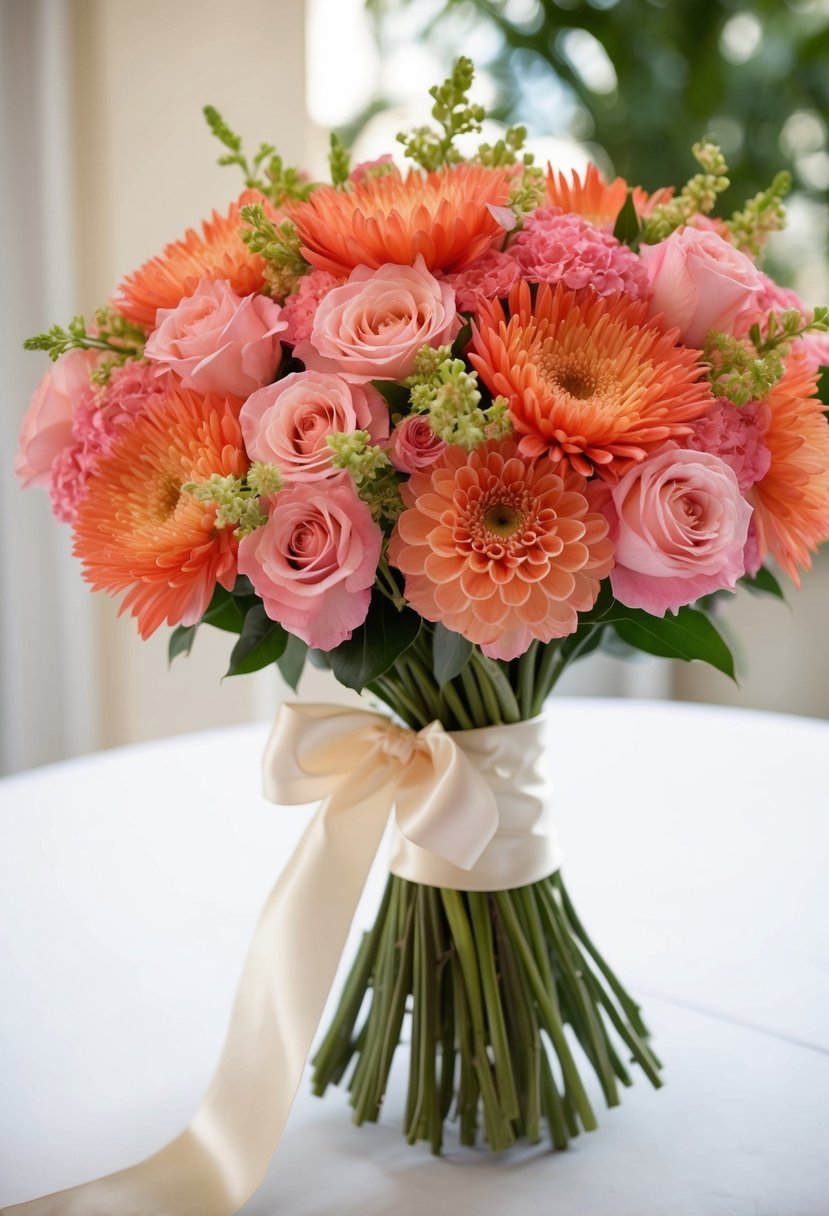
{"points": [[700, 283], [313, 563], [679, 525], [372, 327], [288, 423], [414, 445], [47, 424], [218, 342]]}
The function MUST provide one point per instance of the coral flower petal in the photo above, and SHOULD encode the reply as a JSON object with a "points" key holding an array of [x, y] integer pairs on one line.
{"points": [[590, 381], [791, 502], [443, 217], [597, 200], [136, 531], [514, 553]]}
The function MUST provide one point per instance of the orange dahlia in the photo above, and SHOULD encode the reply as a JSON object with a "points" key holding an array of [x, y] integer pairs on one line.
{"points": [[596, 199], [444, 216], [136, 530], [589, 380], [218, 252], [500, 548], [791, 502]]}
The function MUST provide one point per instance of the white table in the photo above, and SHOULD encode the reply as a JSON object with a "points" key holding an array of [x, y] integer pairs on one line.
{"points": [[696, 839]]}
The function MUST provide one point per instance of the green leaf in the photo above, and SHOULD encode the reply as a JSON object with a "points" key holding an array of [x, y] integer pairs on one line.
{"points": [[375, 646], [243, 586], [319, 659], [221, 130], [763, 583], [462, 340], [450, 654], [181, 641], [396, 396], [224, 612], [687, 635], [628, 229], [823, 386], [261, 642], [292, 660], [587, 638]]}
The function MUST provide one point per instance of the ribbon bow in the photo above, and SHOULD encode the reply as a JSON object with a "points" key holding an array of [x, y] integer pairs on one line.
{"points": [[361, 765]]}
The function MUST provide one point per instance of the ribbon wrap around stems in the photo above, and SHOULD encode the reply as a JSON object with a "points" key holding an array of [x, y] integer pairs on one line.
{"points": [[470, 815]]}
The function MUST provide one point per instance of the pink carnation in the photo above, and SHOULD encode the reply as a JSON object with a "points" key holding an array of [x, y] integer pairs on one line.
{"points": [[100, 415], [558, 248], [299, 310], [490, 277], [735, 434], [314, 561]]}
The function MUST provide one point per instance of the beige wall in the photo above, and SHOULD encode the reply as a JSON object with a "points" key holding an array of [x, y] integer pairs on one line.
{"points": [[145, 171]]}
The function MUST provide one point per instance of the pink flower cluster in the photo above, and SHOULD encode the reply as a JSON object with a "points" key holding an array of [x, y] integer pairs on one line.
{"points": [[553, 247], [96, 422], [556, 248]]}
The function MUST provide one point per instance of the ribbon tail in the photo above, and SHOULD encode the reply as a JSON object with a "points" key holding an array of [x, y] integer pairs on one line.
{"points": [[214, 1166]]}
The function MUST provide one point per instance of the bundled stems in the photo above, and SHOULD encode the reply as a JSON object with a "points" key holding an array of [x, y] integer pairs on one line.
{"points": [[506, 993], [492, 982]]}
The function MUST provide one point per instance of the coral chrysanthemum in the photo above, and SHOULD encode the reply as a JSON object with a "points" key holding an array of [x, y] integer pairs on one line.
{"points": [[596, 199], [500, 548], [443, 216], [217, 252], [135, 529], [791, 502], [589, 380]]}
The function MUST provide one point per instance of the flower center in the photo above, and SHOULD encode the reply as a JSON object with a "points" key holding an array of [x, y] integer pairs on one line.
{"points": [[502, 520], [168, 493], [577, 383]]}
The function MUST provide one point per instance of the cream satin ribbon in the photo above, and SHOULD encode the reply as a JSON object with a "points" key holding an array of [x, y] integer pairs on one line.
{"points": [[451, 792]]}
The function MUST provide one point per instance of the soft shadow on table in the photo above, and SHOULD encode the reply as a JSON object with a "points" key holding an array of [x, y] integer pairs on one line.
{"points": [[738, 1130]]}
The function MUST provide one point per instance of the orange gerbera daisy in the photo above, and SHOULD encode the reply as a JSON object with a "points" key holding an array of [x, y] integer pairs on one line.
{"points": [[444, 216], [218, 252], [596, 199], [589, 379], [791, 503], [136, 529], [500, 548]]}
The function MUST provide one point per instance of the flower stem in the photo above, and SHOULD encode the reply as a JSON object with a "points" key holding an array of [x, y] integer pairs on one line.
{"points": [[500, 684], [526, 679]]}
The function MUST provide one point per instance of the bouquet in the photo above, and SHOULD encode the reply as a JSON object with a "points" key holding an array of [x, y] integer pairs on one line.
{"points": [[442, 430]]}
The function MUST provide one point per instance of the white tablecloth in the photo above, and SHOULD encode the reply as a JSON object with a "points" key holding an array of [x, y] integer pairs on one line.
{"points": [[696, 844]]}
